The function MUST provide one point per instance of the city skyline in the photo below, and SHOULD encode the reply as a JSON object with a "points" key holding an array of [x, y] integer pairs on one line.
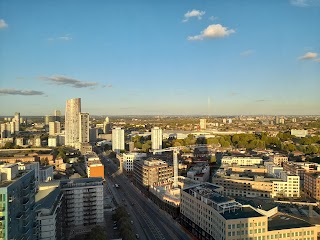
{"points": [[161, 58]]}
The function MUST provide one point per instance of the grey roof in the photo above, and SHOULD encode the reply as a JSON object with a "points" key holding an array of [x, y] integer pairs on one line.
{"points": [[47, 198], [256, 203], [284, 221], [244, 212]]}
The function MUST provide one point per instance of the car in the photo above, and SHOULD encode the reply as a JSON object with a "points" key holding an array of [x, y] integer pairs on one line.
{"points": [[131, 222], [137, 236], [115, 228]]}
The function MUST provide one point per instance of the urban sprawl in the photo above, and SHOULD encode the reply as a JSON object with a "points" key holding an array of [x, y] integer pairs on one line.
{"points": [[77, 176]]}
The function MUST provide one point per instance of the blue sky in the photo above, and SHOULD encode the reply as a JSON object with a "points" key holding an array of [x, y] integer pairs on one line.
{"points": [[160, 57]]}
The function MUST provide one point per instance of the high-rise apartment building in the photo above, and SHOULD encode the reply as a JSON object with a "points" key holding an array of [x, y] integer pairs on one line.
{"points": [[54, 128], [17, 203], [72, 121], [84, 127], [16, 120], [5, 130], [106, 125], [117, 139], [57, 115], [203, 123], [156, 138], [83, 204]]}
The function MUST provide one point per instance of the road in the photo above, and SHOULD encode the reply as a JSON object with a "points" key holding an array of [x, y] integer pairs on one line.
{"points": [[150, 222]]}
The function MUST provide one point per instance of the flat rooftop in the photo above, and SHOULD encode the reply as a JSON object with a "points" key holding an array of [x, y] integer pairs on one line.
{"points": [[284, 221], [244, 212], [46, 198]]}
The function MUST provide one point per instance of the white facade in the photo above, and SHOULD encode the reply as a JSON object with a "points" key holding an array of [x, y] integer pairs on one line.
{"points": [[273, 169], [19, 141], [52, 141], [117, 139], [203, 123], [5, 130], [73, 109], [299, 132], [84, 127], [129, 158], [156, 138], [287, 186], [54, 128], [199, 173], [242, 161]]}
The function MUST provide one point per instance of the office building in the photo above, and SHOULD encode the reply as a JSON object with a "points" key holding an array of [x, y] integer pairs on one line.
{"points": [[84, 127], [17, 203], [117, 139], [312, 185], [127, 160], [72, 122], [156, 138], [203, 124], [54, 128], [94, 167], [209, 215], [149, 172]]}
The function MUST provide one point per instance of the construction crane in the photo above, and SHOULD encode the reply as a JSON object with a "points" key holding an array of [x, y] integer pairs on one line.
{"points": [[175, 151]]}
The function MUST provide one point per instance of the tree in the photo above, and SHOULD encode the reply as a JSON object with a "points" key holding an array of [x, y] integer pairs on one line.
{"points": [[97, 233], [8, 145]]}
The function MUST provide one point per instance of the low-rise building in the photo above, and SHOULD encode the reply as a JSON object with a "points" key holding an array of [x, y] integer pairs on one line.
{"points": [[241, 161], [209, 215], [199, 172], [279, 159], [312, 185], [299, 132]]}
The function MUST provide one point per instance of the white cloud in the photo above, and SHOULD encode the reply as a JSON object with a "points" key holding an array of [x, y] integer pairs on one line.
{"points": [[66, 37], [6, 91], [308, 55], [213, 18], [62, 80], [194, 13], [213, 31], [305, 3], [247, 53], [3, 24]]}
